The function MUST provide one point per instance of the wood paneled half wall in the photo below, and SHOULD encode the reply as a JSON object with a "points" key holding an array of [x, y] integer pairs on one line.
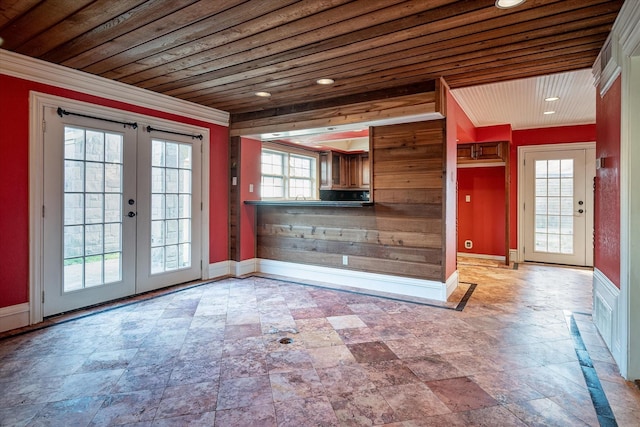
{"points": [[401, 234]]}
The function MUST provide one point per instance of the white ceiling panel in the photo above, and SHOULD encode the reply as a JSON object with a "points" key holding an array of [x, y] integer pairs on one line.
{"points": [[522, 104]]}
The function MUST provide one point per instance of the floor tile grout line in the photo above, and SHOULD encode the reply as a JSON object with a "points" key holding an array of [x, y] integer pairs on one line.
{"points": [[599, 399]]}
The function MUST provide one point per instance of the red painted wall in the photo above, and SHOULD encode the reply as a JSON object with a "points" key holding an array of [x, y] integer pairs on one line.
{"points": [[607, 191], [250, 155], [482, 220], [14, 180]]}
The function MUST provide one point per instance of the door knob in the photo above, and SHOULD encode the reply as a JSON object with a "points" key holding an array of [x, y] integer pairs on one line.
{"points": [[580, 210], [131, 214], [581, 203]]}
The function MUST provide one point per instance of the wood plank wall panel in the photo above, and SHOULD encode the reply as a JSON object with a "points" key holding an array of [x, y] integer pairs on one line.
{"points": [[234, 199], [400, 235]]}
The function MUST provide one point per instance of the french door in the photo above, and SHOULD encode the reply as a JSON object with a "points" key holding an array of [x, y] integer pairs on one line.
{"points": [[121, 211], [558, 209]]}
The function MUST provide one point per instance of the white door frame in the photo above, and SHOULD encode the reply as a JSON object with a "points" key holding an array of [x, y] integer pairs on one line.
{"points": [[37, 102], [522, 151]]}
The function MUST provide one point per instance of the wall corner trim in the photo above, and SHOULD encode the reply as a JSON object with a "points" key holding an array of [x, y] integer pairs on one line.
{"points": [[219, 269], [14, 316], [24, 67], [242, 268]]}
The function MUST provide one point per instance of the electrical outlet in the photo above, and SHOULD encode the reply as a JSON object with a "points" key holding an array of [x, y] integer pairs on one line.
{"points": [[467, 198], [468, 244], [345, 260], [250, 188]]}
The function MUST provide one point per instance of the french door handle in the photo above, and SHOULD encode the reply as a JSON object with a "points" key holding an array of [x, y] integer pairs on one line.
{"points": [[131, 214], [580, 210]]}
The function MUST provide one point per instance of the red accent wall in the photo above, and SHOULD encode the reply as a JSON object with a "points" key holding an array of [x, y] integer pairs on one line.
{"points": [[482, 219], [14, 180], [607, 191], [250, 154]]}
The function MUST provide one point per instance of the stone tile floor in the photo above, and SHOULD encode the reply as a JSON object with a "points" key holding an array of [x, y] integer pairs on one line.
{"points": [[210, 355]]}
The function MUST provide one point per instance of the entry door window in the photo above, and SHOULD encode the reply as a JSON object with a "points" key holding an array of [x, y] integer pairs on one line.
{"points": [[171, 198], [93, 191], [554, 206]]}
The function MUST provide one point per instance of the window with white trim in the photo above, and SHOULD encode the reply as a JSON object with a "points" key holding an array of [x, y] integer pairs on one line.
{"points": [[288, 175]]}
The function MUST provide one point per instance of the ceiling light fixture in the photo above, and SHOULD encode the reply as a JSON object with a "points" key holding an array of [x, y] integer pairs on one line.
{"points": [[263, 94], [549, 112], [325, 81], [507, 4], [552, 98]]}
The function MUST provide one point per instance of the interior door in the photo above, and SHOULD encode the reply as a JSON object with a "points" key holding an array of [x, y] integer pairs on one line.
{"points": [[559, 206], [122, 211]]}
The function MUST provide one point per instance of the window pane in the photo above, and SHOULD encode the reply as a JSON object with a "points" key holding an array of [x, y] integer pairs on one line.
{"points": [[95, 146], [73, 143]]}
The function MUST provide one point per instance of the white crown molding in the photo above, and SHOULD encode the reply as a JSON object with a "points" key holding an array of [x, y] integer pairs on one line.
{"points": [[627, 27], [24, 67]]}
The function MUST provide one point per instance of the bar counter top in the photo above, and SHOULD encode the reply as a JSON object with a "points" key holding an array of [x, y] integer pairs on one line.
{"points": [[311, 203]]}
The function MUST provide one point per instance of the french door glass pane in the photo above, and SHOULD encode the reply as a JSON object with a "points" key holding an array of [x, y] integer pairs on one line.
{"points": [[92, 251], [171, 174], [554, 206]]}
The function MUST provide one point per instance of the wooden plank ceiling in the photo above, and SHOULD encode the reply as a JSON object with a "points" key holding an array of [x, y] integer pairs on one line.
{"points": [[219, 53]]}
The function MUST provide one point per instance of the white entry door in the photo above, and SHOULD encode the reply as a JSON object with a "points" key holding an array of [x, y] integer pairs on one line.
{"points": [[558, 207], [121, 211]]}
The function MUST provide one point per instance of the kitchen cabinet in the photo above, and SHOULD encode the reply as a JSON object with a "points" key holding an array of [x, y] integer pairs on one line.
{"points": [[344, 171], [482, 152]]}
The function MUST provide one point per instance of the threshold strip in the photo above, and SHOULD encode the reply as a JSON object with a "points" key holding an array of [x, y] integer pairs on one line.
{"points": [[598, 397]]}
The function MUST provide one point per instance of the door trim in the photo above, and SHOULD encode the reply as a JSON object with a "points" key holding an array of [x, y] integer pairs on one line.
{"points": [[522, 151], [37, 102]]}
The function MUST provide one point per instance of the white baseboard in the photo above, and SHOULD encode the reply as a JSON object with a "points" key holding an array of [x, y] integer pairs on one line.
{"points": [[605, 312], [14, 316], [482, 256], [359, 280], [514, 255], [242, 268], [219, 269]]}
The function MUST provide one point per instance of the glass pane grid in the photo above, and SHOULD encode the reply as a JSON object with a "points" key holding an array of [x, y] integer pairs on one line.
{"points": [[92, 246], [554, 206], [295, 181], [171, 198]]}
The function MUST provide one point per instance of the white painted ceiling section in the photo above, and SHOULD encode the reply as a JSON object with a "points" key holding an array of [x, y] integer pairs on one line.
{"points": [[522, 104]]}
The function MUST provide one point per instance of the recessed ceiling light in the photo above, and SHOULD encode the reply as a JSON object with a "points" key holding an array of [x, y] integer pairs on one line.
{"points": [[549, 112], [325, 81], [552, 98], [263, 94], [506, 4]]}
